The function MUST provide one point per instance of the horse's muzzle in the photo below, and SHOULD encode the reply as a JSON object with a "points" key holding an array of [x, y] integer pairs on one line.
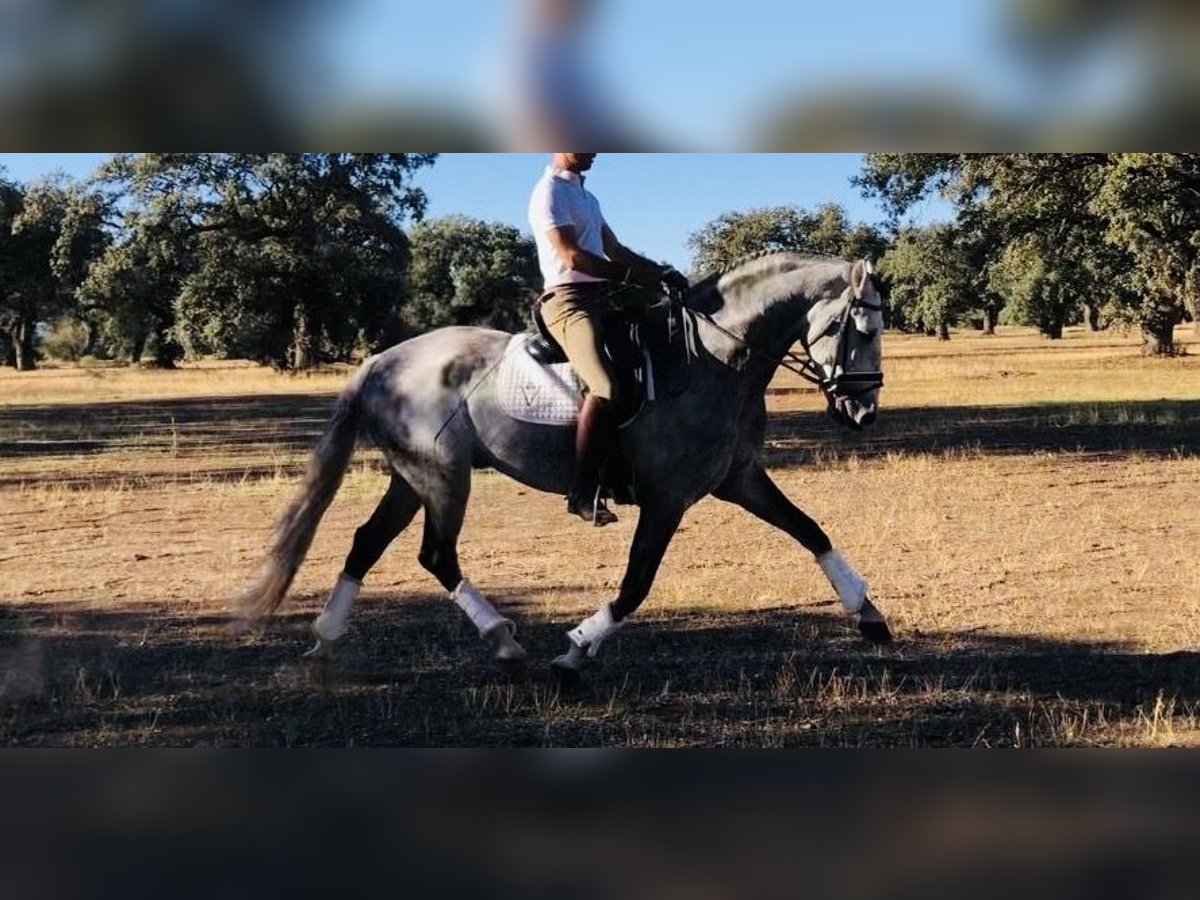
{"points": [[852, 414]]}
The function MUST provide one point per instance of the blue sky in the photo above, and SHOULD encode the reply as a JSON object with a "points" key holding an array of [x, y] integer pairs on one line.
{"points": [[652, 201], [706, 74]]}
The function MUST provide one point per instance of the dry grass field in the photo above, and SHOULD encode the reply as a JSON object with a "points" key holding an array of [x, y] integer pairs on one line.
{"points": [[1026, 513]]}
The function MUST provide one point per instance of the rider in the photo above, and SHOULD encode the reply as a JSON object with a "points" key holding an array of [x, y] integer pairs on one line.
{"points": [[588, 274]]}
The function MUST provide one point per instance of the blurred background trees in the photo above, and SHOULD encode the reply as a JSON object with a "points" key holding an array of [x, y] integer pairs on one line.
{"points": [[297, 259]]}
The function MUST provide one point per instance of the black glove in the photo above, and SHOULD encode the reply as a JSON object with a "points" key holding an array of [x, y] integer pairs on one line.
{"points": [[674, 279]]}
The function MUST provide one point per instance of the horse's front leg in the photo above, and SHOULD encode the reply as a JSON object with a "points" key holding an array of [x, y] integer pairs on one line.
{"points": [[655, 528], [752, 488]]}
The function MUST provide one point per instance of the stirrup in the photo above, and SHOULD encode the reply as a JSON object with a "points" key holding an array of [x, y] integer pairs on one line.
{"points": [[593, 510]]}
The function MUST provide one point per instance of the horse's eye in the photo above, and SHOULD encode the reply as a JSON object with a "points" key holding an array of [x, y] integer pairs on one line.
{"points": [[833, 328]]}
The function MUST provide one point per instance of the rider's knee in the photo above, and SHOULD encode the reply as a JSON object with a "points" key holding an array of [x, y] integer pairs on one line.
{"points": [[603, 389]]}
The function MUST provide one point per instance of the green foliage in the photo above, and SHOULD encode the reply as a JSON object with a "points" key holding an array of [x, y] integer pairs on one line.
{"points": [[1114, 231], [1034, 291], [50, 231], [282, 258], [1150, 203], [129, 290], [468, 272], [737, 234], [929, 278], [67, 340]]}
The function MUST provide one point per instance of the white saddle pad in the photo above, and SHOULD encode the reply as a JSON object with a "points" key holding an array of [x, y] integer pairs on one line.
{"points": [[531, 392]]}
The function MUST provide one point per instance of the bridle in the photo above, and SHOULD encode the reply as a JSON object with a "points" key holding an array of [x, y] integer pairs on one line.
{"points": [[838, 384]]}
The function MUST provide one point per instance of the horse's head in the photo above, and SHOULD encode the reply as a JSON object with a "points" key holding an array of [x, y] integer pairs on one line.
{"points": [[843, 343]]}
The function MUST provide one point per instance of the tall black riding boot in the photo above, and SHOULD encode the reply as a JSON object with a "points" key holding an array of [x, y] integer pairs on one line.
{"points": [[595, 438]]}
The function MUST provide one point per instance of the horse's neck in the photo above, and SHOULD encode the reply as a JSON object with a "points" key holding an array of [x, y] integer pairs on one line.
{"points": [[765, 314]]}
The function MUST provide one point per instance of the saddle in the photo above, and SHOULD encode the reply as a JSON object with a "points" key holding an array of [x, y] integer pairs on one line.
{"points": [[536, 384], [630, 359]]}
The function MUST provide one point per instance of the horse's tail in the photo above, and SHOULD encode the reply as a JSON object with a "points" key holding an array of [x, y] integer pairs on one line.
{"points": [[298, 524]]}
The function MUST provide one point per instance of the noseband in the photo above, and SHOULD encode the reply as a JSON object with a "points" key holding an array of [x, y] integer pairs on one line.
{"points": [[838, 384]]}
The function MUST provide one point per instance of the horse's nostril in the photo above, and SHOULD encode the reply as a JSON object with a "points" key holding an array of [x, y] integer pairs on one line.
{"points": [[868, 418]]}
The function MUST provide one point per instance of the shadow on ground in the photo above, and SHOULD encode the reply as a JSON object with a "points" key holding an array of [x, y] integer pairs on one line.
{"points": [[1166, 428], [411, 674], [232, 422], [193, 428]]}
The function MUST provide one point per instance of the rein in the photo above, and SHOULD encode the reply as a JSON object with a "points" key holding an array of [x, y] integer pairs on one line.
{"points": [[831, 385]]}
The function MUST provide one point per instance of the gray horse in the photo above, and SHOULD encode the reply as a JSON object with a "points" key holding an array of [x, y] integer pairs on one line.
{"points": [[429, 404]]}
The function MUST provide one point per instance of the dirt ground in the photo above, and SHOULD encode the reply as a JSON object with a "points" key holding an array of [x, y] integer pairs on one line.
{"points": [[1025, 512]]}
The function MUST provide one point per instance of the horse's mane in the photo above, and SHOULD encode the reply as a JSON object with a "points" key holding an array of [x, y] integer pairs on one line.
{"points": [[740, 261], [707, 285]]}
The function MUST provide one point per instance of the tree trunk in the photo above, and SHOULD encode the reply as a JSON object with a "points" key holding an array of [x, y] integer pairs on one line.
{"points": [[138, 347], [93, 337], [943, 331], [22, 338], [301, 354], [1156, 342], [1053, 330], [166, 351], [1091, 315], [8, 354], [989, 318], [1158, 328]]}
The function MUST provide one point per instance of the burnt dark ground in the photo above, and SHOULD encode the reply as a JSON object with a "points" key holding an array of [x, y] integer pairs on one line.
{"points": [[412, 674]]}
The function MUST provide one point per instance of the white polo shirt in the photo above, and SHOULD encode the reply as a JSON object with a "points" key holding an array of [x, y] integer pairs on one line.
{"points": [[559, 198]]}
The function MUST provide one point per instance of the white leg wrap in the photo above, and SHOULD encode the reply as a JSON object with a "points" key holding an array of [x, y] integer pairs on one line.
{"points": [[850, 586], [591, 632], [334, 620], [481, 613]]}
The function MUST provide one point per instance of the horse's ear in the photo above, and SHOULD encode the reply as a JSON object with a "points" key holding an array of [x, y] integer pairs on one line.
{"points": [[860, 271]]}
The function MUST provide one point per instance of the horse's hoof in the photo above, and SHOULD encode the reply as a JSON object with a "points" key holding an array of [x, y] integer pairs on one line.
{"points": [[321, 650], [567, 677], [567, 668], [512, 668], [877, 632], [504, 646]]}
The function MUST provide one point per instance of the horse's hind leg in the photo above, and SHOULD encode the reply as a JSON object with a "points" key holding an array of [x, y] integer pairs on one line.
{"points": [[393, 514], [444, 509], [752, 488]]}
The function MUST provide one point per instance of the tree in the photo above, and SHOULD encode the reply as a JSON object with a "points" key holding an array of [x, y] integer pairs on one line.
{"points": [[468, 272], [1113, 233], [826, 230], [929, 278], [1151, 206], [282, 258], [130, 292], [49, 233]]}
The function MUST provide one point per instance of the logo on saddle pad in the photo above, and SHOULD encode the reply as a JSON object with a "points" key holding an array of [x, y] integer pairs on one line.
{"points": [[532, 392]]}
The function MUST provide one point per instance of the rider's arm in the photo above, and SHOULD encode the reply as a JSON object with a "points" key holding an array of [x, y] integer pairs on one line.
{"points": [[618, 252], [621, 254], [574, 257]]}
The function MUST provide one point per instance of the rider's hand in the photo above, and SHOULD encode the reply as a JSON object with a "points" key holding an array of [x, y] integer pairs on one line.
{"points": [[674, 279], [644, 277]]}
